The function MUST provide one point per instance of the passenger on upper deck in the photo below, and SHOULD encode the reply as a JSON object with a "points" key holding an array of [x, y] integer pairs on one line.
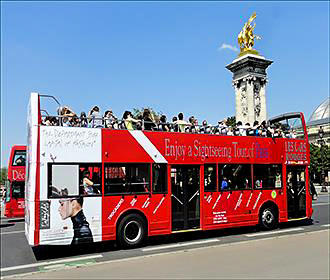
{"points": [[83, 119], [94, 117], [205, 128], [110, 121], [149, 121], [249, 130], [192, 128], [278, 133], [222, 126], [163, 125], [66, 115], [129, 120], [256, 128], [182, 124], [266, 131], [174, 125]]}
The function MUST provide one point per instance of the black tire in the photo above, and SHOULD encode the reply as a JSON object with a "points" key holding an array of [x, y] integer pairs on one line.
{"points": [[131, 231], [268, 218]]}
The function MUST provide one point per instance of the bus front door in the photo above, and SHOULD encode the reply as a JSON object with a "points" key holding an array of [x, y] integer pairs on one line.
{"points": [[185, 182], [296, 191]]}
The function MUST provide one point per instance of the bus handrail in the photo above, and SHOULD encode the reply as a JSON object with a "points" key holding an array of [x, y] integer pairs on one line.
{"points": [[52, 97], [119, 124]]}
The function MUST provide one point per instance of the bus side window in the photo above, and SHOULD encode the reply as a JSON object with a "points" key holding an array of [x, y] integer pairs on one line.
{"points": [[210, 178], [90, 179], [159, 178], [126, 178], [234, 177], [267, 176]]}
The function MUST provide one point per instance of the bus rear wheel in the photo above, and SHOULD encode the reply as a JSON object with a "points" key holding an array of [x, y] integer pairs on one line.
{"points": [[268, 218], [131, 231]]}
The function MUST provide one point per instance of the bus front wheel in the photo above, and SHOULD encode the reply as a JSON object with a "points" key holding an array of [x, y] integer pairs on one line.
{"points": [[268, 218], [131, 231]]}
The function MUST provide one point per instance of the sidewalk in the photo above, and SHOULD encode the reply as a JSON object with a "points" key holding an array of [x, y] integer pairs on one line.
{"points": [[318, 189]]}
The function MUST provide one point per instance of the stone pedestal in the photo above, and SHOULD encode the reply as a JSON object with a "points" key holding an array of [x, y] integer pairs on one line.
{"points": [[249, 81]]}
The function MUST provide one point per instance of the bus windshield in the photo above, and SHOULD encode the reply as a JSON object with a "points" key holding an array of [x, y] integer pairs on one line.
{"points": [[290, 124], [19, 158], [18, 190]]}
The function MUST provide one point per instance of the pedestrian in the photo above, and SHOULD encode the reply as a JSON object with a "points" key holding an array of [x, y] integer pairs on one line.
{"points": [[313, 191]]}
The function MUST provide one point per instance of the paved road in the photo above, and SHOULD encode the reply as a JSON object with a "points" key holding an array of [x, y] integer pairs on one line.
{"points": [[18, 257], [292, 256]]}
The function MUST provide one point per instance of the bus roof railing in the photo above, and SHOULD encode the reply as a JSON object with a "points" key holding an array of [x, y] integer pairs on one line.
{"points": [[119, 124], [52, 97], [284, 116]]}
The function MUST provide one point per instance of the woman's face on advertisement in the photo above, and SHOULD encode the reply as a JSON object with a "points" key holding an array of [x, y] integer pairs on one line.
{"points": [[65, 209]]}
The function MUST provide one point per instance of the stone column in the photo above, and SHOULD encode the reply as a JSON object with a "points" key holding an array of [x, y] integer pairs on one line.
{"points": [[249, 81]]}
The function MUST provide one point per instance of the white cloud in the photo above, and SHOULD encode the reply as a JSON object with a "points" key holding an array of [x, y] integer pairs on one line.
{"points": [[227, 46]]}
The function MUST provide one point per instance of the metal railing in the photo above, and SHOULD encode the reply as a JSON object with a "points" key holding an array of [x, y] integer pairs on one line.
{"points": [[119, 124]]}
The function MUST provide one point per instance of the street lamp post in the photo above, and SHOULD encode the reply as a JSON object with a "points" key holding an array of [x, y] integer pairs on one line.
{"points": [[321, 134]]}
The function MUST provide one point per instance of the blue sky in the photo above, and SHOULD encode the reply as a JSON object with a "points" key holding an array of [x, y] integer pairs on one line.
{"points": [[164, 55]]}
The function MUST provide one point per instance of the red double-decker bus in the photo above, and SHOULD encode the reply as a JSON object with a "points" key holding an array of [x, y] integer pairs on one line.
{"points": [[15, 185], [96, 184]]}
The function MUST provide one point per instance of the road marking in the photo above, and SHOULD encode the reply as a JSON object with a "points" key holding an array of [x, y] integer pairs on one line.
{"points": [[50, 263], [179, 245], [328, 225], [325, 203], [273, 232], [54, 266], [12, 232]]}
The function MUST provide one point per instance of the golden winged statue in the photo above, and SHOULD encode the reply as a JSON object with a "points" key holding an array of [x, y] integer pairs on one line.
{"points": [[246, 37]]}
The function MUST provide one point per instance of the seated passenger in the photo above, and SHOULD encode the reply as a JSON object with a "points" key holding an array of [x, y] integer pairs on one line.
{"points": [[278, 131], [65, 114], [174, 126], [192, 127], [256, 128], [258, 184], [148, 120], [87, 184], [163, 125], [205, 128], [224, 184], [129, 120], [230, 131], [242, 129], [47, 121], [83, 119], [223, 128], [266, 131], [182, 124], [94, 117], [196, 126], [237, 128], [249, 130], [109, 119]]}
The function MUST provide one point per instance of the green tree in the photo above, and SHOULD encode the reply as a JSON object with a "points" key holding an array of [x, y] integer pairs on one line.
{"points": [[139, 112], [231, 121], [320, 160], [3, 175]]}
